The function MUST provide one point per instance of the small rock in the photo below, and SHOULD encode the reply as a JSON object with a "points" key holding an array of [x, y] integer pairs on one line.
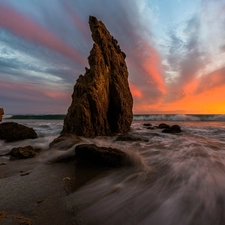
{"points": [[10, 131], [173, 129], [128, 137], [147, 124], [163, 126], [102, 156], [23, 152]]}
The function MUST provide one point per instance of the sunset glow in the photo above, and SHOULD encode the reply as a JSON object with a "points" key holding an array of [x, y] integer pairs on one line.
{"points": [[175, 53]]}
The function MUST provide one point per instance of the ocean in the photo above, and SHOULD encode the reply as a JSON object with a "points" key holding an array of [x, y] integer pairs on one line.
{"points": [[177, 178]]}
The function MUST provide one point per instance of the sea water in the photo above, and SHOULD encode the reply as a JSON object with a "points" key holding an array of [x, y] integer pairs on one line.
{"points": [[177, 178]]}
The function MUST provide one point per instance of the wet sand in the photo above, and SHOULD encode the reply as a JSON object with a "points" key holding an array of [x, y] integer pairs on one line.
{"points": [[38, 191]]}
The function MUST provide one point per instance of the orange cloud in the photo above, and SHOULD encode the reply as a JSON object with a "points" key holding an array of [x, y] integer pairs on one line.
{"points": [[209, 101], [135, 91], [152, 66], [28, 29]]}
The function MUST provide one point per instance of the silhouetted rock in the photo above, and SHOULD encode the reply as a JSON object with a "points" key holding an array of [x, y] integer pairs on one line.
{"points": [[102, 156], [23, 152], [163, 126], [130, 138], [11, 131], [64, 141], [147, 124], [173, 129], [1, 113], [101, 101]]}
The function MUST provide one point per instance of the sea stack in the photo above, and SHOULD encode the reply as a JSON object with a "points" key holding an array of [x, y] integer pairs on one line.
{"points": [[101, 101], [1, 113]]}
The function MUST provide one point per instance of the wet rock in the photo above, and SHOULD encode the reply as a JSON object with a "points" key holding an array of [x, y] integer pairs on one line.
{"points": [[147, 124], [64, 141], [11, 131], [163, 126], [101, 102], [173, 129], [130, 138], [103, 156], [23, 152]]}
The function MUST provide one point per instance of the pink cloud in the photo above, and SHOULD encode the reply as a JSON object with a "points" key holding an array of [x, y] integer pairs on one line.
{"points": [[28, 29]]}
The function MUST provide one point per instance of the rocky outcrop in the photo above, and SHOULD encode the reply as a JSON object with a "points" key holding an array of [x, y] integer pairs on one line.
{"points": [[1, 113], [101, 101], [110, 157], [11, 131]]}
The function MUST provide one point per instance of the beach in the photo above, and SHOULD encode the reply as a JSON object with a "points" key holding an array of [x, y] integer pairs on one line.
{"points": [[176, 178]]}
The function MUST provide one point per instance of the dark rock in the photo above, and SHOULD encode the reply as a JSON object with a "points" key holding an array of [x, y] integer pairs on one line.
{"points": [[65, 141], [173, 129], [163, 126], [101, 102], [147, 124], [1, 113], [128, 137], [10, 131], [103, 156], [151, 128], [23, 152]]}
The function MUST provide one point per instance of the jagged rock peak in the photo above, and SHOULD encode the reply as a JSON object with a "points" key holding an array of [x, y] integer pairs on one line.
{"points": [[101, 102]]}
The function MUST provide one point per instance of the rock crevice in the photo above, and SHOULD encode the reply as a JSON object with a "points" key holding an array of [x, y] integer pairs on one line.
{"points": [[101, 101]]}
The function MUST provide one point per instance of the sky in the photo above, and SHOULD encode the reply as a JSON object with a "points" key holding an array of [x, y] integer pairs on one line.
{"points": [[175, 53]]}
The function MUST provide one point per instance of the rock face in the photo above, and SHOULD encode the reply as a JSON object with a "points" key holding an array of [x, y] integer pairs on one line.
{"points": [[103, 156], [101, 102], [1, 113], [11, 131]]}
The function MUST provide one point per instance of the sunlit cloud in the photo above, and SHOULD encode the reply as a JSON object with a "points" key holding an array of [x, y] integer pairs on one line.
{"points": [[175, 60], [26, 28]]}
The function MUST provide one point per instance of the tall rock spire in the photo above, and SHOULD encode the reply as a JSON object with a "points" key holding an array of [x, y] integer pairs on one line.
{"points": [[101, 102]]}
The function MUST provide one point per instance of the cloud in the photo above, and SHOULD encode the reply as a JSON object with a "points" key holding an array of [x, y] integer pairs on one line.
{"points": [[16, 96], [28, 29], [45, 44]]}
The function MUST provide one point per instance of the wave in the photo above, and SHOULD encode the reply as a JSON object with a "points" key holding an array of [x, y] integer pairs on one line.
{"points": [[136, 117], [179, 117], [36, 117]]}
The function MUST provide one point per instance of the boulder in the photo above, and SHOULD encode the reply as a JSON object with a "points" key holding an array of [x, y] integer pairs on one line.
{"points": [[102, 156], [101, 101], [11, 131], [173, 129], [1, 113], [23, 152], [163, 126], [64, 141], [130, 138]]}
